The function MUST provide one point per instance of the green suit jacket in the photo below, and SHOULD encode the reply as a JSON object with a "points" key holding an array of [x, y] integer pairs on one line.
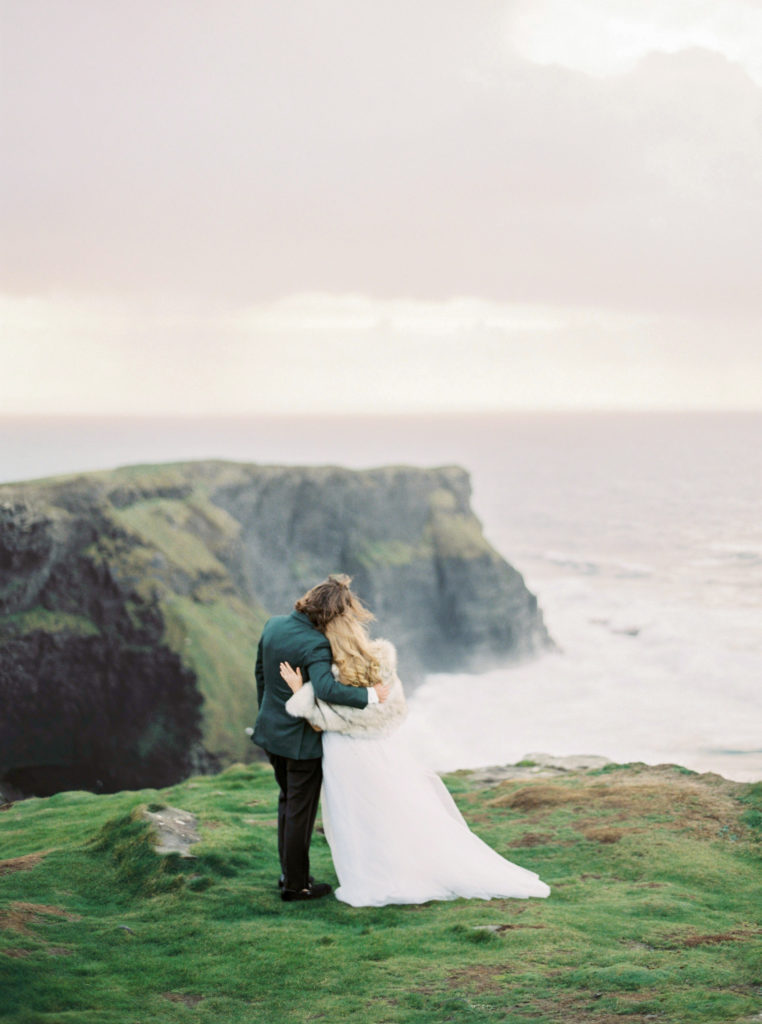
{"points": [[294, 639]]}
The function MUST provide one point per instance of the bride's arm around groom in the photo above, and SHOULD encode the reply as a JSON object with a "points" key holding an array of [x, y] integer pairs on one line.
{"points": [[373, 720]]}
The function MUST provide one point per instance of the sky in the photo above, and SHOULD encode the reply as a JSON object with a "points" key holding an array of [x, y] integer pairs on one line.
{"points": [[239, 207]]}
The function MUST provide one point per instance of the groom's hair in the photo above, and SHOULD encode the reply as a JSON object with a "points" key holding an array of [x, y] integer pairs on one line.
{"points": [[330, 599]]}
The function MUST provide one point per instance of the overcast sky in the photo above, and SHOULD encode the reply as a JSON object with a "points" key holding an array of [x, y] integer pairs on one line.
{"points": [[219, 206]]}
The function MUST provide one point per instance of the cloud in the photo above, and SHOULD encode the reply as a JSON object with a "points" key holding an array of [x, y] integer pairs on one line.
{"points": [[321, 312], [605, 38], [356, 354], [245, 151], [420, 206]]}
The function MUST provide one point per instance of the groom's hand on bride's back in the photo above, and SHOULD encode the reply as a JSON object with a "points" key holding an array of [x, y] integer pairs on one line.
{"points": [[382, 691]]}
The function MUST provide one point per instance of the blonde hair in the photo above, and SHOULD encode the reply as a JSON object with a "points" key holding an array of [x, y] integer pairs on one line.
{"points": [[352, 648]]}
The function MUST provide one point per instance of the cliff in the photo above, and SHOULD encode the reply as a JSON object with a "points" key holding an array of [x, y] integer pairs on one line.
{"points": [[131, 603]]}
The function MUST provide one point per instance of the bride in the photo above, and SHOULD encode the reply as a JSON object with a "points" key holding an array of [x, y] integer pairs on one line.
{"points": [[394, 831]]}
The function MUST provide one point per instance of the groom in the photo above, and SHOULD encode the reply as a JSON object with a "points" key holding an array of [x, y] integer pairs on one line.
{"points": [[294, 747]]}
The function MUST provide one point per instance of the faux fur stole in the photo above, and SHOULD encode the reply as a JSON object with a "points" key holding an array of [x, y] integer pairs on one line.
{"points": [[373, 720]]}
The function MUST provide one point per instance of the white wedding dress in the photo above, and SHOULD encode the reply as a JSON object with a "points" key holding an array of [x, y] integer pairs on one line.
{"points": [[394, 831], [396, 835]]}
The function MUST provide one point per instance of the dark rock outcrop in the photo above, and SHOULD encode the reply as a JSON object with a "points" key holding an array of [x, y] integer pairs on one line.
{"points": [[131, 603], [410, 541]]}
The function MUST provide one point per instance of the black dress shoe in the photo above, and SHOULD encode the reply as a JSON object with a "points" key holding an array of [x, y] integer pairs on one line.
{"points": [[314, 892], [282, 881]]}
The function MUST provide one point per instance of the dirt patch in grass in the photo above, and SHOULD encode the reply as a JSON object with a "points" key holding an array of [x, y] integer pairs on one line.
{"points": [[187, 998], [531, 839], [19, 916], [477, 818], [625, 1017], [563, 1007], [599, 834], [479, 977], [536, 795], [25, 863], [698, 803], [580, 1008], [715, 939]]}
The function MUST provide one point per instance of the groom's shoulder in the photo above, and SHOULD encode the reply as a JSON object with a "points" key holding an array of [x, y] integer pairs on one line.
{"points": [[313, 642], [277, 623], [295, 624]]}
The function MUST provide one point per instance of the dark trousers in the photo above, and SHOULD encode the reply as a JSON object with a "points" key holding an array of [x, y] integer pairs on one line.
{"points": [[299, 783]]}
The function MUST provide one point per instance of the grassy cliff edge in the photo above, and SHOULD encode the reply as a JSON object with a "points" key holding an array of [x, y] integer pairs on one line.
{"points": [[655, 912]]}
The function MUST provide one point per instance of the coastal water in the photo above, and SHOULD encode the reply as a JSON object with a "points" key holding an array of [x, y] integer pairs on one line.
{"points": [[641, 535]]}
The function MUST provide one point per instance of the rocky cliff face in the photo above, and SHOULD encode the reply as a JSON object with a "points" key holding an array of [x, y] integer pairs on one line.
{"points": [[131, 603]]}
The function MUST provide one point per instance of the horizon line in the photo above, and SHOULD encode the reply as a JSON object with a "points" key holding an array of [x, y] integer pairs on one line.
{"points": [[399, 414]]}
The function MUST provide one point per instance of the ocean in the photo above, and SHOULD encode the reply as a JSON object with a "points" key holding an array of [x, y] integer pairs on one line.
{"points": [[641, 535]]}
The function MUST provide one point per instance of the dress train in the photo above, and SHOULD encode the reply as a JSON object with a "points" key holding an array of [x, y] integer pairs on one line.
{"points": [[396, 835]]}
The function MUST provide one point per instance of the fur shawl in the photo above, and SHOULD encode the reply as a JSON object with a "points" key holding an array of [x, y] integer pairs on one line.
{"points": [[373, 720]]}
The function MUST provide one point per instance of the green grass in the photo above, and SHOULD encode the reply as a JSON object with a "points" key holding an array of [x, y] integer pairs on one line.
{"points": [[454, 535], [654, 914], [168, 525], [388, 552], [210, 627], [46, 621], [218, 641]]}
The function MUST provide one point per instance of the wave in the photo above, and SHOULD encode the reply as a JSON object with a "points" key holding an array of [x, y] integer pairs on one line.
{"points": [[590, 566], [638, 677]]}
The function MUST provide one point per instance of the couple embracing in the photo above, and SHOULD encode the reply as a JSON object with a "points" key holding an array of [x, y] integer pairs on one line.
{"points": [[330, 704]]}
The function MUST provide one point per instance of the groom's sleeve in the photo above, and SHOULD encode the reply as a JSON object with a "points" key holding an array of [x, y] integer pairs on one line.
{"points": [[259, 675], [329, 689]]}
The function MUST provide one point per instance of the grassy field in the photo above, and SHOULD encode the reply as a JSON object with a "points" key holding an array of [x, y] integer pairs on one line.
{"points": [[655, 913]]}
